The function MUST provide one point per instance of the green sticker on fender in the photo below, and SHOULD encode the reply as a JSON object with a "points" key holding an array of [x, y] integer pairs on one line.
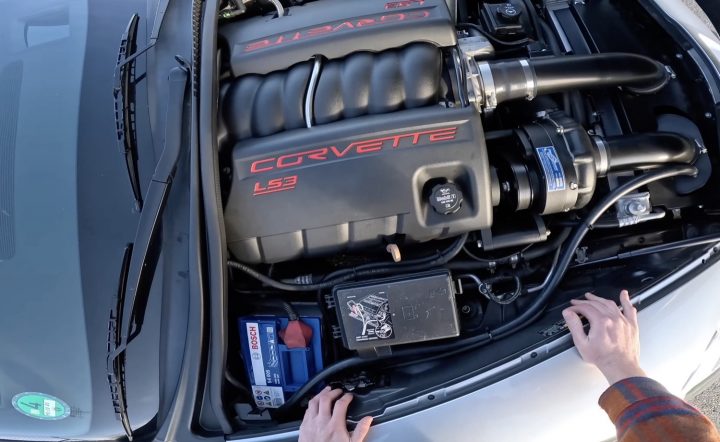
{"points": [[41, 406]]}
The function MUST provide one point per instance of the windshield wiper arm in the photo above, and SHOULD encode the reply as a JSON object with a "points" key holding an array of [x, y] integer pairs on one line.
{"points": [[141, 257]]}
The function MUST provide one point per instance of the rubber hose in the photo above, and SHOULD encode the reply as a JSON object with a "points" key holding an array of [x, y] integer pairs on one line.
{"points": [[550, 75], [641, 74], [649, 150]]}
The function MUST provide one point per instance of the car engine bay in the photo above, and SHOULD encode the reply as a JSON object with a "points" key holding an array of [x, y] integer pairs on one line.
{"points": [[412, 189]]}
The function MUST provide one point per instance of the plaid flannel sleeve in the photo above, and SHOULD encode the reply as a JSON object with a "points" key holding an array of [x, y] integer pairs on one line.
{"points": [[643, 410]]}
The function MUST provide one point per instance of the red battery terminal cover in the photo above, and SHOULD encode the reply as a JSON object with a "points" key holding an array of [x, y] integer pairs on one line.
{"points": [[297, 334]]}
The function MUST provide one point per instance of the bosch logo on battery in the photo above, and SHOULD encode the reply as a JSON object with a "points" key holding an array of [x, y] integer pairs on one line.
{"points": [[253, 338]]}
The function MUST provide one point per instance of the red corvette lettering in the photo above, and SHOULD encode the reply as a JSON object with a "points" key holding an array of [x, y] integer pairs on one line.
{"points": [[362, 147], [342, 26], [443, 135], [319, 31], [368, 146], [257, 165]]}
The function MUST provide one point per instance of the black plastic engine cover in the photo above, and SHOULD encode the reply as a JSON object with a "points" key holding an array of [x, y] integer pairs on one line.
{"points": [[360, 84], [310, 192], [333, 29]]}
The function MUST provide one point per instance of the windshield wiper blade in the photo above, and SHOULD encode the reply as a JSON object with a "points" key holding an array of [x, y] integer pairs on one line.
{"points": [[142, 256], [124, 95], [116, 361]]}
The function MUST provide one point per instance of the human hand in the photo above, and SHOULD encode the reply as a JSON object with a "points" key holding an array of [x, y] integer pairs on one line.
{"points": [[324, 419], [613, 341]]}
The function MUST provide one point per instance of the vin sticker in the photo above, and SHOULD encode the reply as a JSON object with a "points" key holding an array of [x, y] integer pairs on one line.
{"points": [[554, 174]]}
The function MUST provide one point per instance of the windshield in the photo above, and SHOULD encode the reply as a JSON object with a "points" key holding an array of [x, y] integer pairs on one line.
{"points": [[43, 324], [66, 213]]}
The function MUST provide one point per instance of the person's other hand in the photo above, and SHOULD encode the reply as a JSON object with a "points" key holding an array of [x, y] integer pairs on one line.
{"points": [[613, 341], [324, 419]]}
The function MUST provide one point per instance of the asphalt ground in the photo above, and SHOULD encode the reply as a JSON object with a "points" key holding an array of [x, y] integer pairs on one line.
{"points": [[709, 403]]}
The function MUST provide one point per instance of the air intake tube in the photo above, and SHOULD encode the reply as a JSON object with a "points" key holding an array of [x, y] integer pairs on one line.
{"points": [[493, 82], [644, 151]]}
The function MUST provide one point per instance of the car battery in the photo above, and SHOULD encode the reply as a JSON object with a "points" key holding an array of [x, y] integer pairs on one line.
{"points": [[274, 370], [374, 315]]}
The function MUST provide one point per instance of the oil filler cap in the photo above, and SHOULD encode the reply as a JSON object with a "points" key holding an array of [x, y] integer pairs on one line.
{"points": [[446, 198]]}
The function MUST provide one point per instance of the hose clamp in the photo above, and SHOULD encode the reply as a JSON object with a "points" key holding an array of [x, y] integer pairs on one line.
{"points": [[604, 164], [530, 80], [489, 96]]}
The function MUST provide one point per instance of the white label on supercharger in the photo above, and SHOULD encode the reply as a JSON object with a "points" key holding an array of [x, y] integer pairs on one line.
{"points": [[256, 357], [268, 397]]}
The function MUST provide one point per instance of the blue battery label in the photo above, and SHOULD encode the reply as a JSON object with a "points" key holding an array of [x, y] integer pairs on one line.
{"points": [[554, 174], [262, 344]]}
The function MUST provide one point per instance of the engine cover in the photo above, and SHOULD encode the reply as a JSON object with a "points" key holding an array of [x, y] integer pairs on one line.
{"points": [[310, 192], [261, 45]]}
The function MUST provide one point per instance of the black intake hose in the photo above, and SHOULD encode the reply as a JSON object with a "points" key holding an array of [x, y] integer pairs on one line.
{"points": [[646, 151], [528, 78]]}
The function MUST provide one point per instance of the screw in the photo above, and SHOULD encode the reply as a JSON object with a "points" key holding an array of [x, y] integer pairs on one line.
{"points": [[679, 56], [636, 208], [505, 186], [479, 244], [708, 115], [573, 186], [465, 309]]}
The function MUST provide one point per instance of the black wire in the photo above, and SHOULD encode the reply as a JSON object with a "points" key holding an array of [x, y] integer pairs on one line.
{"points": [[501, 259], [284, 286], [372, 269], [501, 299], [439, 258], [278, 304]]}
